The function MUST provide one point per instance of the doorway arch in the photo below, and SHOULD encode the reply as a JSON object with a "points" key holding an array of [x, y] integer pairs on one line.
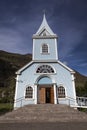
{"points": [[45, 90], [44, 80]]}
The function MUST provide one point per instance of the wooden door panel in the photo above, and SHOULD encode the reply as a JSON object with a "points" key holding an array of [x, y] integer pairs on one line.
{"points": [[42, 95], [52, 95]]}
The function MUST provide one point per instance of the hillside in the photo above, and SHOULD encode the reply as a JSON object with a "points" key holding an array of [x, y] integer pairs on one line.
{"points": [[81, 84], [80, 79], [10, 63]]}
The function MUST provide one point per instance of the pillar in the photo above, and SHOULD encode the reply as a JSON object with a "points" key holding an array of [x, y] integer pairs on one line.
{"points": [[35, 93], [55, 95]]}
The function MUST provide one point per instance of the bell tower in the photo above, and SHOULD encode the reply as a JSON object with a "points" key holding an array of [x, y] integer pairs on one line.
{"points": [[45, 43]]}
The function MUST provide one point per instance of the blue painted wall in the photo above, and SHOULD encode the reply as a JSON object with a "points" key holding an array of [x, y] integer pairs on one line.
{"points": [[37, 44], [29, 77]]}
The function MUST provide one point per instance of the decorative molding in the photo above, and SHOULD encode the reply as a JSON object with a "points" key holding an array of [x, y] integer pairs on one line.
{"points": [[44, 37], [44, 61]]}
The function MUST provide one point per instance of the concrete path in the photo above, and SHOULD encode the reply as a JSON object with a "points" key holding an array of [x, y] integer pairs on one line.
{"points": [[44, 126], [44, 113]]}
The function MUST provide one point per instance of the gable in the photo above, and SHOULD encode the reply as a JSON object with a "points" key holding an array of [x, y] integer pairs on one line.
{"points": [[44, 27], [44, 32], [45, 62]]}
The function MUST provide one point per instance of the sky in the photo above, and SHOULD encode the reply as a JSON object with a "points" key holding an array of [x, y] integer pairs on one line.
{"points": [[20, 19]]}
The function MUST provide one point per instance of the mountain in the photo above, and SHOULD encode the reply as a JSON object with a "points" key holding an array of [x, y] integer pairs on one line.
{"points": [[10, 63], [80, 79], [81, 84]]}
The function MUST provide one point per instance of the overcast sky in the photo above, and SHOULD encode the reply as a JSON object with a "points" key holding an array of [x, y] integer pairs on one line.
{"points": [[20, 19]]}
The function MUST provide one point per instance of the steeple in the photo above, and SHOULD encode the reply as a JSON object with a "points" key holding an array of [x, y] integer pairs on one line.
{"points": [[45, 43], [44, 28]]}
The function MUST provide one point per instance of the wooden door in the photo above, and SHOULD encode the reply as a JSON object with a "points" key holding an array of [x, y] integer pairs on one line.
{"points": [[48, 95], [52, 95], [42, 97]]}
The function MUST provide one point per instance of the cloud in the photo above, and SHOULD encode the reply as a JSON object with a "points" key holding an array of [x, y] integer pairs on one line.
{"points": [[68, 41], [9, 40], [20, 19], [82, 64]]}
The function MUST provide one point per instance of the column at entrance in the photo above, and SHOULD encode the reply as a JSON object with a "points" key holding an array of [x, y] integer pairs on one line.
{"points": [[35, 94], [55, 94]]}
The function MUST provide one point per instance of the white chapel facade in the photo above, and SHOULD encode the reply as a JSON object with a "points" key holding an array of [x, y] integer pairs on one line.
{"points": [[45, 79]]}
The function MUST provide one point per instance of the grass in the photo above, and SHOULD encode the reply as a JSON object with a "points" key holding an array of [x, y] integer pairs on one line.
{"points": [[83, 110], [5, 107]]}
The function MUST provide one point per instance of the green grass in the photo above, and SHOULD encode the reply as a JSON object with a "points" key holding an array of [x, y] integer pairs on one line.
{"points": [[83, 110], [5, 107]]}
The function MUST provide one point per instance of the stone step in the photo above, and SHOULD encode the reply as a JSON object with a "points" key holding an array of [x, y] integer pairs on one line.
{"points": [[44, 112], [46, 108]]}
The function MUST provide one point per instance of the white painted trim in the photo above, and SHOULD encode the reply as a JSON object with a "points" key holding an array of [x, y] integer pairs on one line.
{"points": [[45, 75], [44, 37], [64, 88], [55, 95], [48, 61], [54, 61], [66, 67], [23, 68], [56, 49], [25, 92], [42, 30], [74, 91], [16, 88], [33, 49], [35, 86]]}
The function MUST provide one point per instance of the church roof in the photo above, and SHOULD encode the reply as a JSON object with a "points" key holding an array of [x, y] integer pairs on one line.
{"points": [[44, 27]]}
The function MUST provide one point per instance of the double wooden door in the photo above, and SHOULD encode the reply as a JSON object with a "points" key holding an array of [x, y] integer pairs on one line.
{"points": [[46, 95]]}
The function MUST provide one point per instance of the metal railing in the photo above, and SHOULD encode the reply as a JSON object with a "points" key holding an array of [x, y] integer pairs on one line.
{"points": [[80, 101], [19, 100]]}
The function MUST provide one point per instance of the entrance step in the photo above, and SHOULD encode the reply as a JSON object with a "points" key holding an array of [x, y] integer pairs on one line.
{"points": [[44, 113]]}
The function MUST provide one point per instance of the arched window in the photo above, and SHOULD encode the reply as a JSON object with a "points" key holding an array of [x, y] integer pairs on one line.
{"points": [[61, 92], [44, 48], [29, 92], [45, 69]]}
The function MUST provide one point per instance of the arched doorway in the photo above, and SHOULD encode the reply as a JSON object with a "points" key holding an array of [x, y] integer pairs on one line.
{"points": [[45, 90]]}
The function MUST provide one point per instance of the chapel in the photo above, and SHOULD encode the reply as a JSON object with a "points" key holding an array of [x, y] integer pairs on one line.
{"points": [[45, 80]]}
